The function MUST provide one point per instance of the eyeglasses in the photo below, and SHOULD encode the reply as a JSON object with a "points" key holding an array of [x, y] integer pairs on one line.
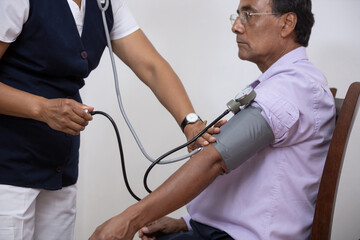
{"points": [[244, 16]]}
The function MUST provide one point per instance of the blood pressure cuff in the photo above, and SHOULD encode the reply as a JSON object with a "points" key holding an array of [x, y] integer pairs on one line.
{"points": [[242, 136]]}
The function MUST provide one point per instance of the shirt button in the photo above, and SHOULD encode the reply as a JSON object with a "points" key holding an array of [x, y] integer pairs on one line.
{"points": [[59, 169], [84, 54]]}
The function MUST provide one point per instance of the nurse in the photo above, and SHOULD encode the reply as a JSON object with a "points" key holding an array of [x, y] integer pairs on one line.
{"points": [[47, 48]]}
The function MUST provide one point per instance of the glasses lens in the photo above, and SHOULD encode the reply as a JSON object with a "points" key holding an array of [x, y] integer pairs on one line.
{"points": [[233, 18]]}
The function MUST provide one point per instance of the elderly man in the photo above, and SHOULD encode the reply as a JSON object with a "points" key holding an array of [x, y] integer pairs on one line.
{"points": [[260, 179]]}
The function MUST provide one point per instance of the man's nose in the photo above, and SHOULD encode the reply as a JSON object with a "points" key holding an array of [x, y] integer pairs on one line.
{"points": [[238, 27]]}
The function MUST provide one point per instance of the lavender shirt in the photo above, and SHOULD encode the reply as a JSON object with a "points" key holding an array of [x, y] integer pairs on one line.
{"points": [[272, 195]]}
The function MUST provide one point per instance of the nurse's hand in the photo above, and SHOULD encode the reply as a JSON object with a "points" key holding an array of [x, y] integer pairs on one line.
{"points": [[65, 115], [191, 130]]}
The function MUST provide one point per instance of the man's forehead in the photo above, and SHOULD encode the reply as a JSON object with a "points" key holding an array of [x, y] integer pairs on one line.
{"points": [[253, 4]]}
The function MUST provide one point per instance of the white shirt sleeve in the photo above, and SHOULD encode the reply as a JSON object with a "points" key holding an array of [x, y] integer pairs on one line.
{"points": [[124, 21], [13, 14]]}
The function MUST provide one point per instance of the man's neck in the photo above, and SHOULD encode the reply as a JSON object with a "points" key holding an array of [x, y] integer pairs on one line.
{"points": [[287, 48]]}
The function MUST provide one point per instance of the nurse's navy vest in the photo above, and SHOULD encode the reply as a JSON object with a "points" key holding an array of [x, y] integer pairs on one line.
{"points": [[49, 59]]}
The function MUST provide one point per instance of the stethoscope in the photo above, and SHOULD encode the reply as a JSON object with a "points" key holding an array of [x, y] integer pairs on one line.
{"points": [[241, 101]]}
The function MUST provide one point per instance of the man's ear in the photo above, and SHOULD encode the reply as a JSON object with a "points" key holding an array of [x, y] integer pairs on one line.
{"points": [[288, 21]]}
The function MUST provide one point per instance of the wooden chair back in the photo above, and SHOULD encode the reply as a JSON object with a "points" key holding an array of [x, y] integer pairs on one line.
{"points": [[346, 112]]}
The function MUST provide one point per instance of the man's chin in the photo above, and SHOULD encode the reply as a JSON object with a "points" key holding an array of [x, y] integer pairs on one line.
{"points": [[242, 56]]}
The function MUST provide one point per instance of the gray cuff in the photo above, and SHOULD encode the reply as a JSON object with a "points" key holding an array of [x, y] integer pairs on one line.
{"points": [[242, 136]]}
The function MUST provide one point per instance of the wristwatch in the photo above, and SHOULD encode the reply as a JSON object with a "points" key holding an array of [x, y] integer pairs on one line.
{"points": [[189, 119]]}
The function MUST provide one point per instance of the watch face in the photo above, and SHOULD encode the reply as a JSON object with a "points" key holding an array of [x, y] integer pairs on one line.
{"points": [[192, 117]]}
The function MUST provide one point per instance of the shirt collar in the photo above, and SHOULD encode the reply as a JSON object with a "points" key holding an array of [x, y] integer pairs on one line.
{"points": [[289, 58]]}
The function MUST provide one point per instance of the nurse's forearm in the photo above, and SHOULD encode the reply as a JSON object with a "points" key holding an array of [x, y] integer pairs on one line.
{"points": [[15, 102], [18, 103], [139, 54]]}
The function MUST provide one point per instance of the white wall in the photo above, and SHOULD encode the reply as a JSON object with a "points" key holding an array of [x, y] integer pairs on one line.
{"points": [[196, 39]]}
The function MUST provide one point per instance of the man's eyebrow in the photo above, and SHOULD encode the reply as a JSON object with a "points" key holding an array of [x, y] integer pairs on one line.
{"points": [[246, 8]]}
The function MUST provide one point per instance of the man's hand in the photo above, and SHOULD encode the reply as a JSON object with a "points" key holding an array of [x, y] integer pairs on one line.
{"points": [[163, 226], [191, 130], [116, 228]]}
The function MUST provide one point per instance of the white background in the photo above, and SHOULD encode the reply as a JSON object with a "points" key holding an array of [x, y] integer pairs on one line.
{"points": [[195, 38]]}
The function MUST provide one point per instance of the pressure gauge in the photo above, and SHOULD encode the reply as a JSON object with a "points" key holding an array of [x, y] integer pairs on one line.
{"points": [[246, 96]]}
